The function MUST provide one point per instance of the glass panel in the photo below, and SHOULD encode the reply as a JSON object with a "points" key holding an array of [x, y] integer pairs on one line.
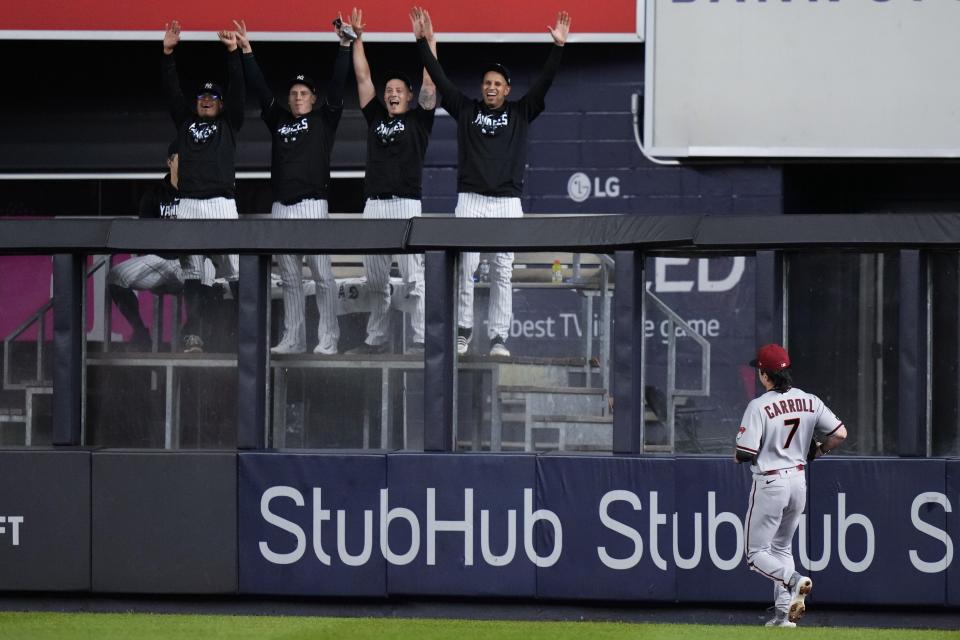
{"points": [[347, 357], [945, 354], [26, 325], [161, 351], [843, 341], [545, 387], [715, 298]]}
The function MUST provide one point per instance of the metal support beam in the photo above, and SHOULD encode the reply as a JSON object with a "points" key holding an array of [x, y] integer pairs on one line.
{"points": [[769, 297], [628, 357], [253, 366], [439, 375], [68, 271], [912, 387]]}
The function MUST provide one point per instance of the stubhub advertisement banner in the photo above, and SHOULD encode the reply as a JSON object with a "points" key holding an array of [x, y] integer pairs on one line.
{"points": [[876, 531]]}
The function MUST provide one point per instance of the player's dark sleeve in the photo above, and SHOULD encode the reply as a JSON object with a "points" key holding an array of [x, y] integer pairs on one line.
{"points": [[426, 117], [255, 80], [338, 81], [149, 206], [534, 100], [453, 98], [237, 91], [171, 88]]}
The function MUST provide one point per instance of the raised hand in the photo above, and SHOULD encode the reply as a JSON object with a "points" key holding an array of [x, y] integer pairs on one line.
{"points": [[356, 21], [417, 22], [171, 36], [560, 32], [242, 39], [229, 39], [427, 25]]}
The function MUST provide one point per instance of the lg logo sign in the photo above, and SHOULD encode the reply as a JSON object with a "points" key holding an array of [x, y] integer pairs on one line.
{"points": [[14, 522], [580, 187]]}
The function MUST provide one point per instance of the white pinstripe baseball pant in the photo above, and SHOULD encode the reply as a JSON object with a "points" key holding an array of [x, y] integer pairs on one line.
{"points": [[500, 311], [153, 273], [291, 277], [377, 270], [227, 265]]}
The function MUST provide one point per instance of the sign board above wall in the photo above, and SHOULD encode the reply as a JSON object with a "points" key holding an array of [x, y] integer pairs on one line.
{"points": [[489, 21], [837, 79]]}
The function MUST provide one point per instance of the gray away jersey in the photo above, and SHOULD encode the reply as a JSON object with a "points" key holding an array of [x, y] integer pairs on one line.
{"points": [[777, 428]]}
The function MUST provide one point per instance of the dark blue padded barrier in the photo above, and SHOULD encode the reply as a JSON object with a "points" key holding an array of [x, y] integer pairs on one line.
{"points": [[45, 531], [872, 532], [498, 484], [603, 506], [285, 555], [953, 529], [718, 490], [164, 522]]}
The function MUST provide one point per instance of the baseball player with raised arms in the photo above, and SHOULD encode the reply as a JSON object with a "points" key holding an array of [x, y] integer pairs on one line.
{"points": [[397, 138], [492, 155], [159, 274], [207, 128], [781, 430], [303, 135]]}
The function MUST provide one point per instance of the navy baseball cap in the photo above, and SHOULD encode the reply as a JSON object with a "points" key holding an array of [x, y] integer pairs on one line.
{"points": [[304, 80], [173, 148], [771, 357], [394, 74], [210, 88], [499, 68]]}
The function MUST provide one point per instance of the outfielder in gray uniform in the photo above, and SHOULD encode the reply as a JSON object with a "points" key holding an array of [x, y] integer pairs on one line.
{"points": [[780, 432], [397, 138], [158, 274], [491, 161]]}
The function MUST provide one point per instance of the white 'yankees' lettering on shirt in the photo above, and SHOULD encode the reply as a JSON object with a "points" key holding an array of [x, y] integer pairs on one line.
{"points": [[169, 209], [490, 125], [290, 131], [387, 131], [202, 131]]}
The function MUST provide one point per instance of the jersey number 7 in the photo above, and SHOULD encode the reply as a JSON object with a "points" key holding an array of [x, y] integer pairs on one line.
{"points": [[793, 424]]}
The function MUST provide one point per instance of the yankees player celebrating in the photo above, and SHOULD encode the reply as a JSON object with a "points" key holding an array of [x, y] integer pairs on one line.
{"points": [[207, 139], [397, 138], [774, 438], [492, 141], [159, 274], [303, 135]]}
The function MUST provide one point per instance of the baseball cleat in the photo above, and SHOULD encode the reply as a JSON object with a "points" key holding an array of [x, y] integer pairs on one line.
{"points": [[288, 347], [463, 340], [326, 347], [497, 348], [779, 621], [192, 344], [415, 349], [798, 594]]}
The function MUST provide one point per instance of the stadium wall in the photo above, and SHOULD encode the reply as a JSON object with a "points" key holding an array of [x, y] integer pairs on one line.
{"points": [[877, 531]]}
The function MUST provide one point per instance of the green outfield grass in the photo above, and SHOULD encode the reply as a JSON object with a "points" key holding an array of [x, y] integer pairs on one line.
{"points": [[111, 626]]}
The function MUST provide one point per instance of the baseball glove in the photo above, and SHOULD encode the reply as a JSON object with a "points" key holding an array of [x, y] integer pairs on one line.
{"points": [[814, 451]]}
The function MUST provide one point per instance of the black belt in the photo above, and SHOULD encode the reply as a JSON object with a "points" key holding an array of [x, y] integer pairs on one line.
{"points": [[774, 472]]}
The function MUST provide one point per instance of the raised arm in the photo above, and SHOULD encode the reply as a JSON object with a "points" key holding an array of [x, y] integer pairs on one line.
{"points": [[361, 68], [538, 92], [171, 81], [236, 89], [251, 69], [341, 67], [422, 23], [452, 96]]}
